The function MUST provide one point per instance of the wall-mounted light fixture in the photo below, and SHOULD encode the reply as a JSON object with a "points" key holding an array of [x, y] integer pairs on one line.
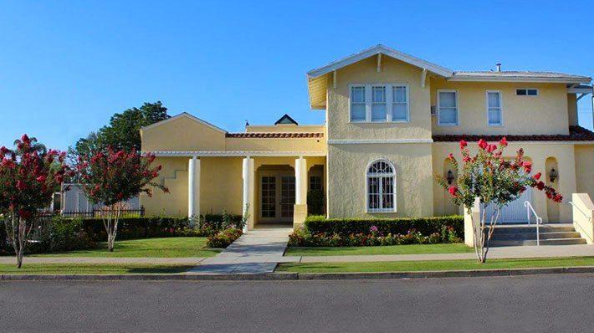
{"points": [[450, 177], [553, 175]]}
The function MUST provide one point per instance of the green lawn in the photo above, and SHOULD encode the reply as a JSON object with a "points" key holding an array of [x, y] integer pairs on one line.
{"points": [[370, 250], [416, 266], [82, 269], [169, 247]]}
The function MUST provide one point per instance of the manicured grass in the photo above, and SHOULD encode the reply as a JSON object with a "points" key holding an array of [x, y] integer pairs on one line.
{"points": [[85, 269], [371, 250], [416, 266], [169, 247]]}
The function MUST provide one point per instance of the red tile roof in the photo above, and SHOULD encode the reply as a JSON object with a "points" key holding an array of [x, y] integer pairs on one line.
{"points": [[277, 135], [576, 133]]}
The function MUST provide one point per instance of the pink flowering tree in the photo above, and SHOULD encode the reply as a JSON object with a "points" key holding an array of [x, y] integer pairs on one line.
{"points": [[495, 181], [29, 175], [112, 177]]}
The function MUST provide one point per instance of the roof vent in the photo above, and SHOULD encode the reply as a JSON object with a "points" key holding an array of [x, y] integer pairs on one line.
{"points": [[498, 66]]}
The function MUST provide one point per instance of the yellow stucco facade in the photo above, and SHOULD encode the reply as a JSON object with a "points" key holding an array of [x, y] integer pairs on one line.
{"points": [[270, 169]]}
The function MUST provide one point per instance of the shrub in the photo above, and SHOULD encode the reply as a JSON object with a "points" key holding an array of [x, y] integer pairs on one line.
{"points": [[65, 235], [224, 238], [425, 225], [315, 202], [320, 231]]}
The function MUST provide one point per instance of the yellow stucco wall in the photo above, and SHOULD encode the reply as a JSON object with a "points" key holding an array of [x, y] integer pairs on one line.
{"points": [[220, 187], [538, 154], [365, 72], [182, 134], [347, 165], [584, 169], [546, 113]]}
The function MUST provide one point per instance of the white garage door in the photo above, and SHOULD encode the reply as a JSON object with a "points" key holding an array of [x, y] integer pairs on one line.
{"points": [[514, 212]]}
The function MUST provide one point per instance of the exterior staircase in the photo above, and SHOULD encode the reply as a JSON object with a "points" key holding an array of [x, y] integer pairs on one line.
{"points": [[525, 235]]}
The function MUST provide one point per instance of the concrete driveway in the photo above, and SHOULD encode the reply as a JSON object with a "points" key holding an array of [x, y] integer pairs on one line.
{"points": [[560, 303]]}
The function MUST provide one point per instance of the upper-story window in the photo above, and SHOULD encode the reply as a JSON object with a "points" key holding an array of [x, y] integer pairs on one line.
{"points": [[494, 114], [358, 112], [527, 92], [447, 108], [379, 103], [400, 103]]}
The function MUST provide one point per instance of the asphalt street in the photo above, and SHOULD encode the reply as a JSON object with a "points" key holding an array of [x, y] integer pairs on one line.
{"points": [[546, 303]]}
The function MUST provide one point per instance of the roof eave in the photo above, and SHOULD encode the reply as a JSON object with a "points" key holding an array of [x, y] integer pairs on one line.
{"points": [[470, 78]]}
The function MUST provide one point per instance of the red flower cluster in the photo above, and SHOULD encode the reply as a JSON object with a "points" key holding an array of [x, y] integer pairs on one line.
{"points": [[115, 176], [29, 175]]}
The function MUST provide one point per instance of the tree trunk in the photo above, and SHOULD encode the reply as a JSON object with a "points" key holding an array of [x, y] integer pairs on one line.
{"points": [[111, 225]]}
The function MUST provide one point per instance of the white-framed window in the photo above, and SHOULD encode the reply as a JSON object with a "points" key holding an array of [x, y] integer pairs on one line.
{"points": [[400, 103], [494, 113], [447, 108], [358, 104], [379, 103], [381, 187], [527, 92]]}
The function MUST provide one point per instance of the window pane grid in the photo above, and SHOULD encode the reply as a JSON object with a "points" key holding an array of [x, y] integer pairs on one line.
{"points": [[358, 103], [448, 108], [378, 105], [400, 104], [380, 187]]}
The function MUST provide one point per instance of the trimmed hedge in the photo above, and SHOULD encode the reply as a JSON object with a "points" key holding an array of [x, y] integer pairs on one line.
{"points": [[345, 227]]}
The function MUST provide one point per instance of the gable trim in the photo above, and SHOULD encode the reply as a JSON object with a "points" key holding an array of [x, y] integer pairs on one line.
{"points": [[287, 117], [185, 115], [380, 49]]}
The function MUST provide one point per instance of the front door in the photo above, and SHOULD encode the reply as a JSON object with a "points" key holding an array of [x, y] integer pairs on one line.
{"points": [[277, 198]]}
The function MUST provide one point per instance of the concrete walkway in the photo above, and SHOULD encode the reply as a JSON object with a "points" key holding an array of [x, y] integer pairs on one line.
{"points": [[508, 252], [257, 251]]}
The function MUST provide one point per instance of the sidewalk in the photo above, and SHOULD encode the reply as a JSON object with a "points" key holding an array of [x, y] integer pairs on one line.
{"points": [[257, 251]]}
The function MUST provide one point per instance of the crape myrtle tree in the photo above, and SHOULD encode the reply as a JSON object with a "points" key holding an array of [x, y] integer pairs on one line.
{"points": [[29, 175], [112, 177], [495, 181]]}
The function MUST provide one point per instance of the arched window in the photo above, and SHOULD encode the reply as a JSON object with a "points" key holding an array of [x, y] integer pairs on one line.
{"points": [[381, 187]]}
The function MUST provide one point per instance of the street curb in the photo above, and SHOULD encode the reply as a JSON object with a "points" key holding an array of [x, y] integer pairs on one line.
{"points": [[303, 276]]}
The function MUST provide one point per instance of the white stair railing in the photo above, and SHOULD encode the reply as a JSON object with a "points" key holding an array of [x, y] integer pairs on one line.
{"points": [[530, 209]]}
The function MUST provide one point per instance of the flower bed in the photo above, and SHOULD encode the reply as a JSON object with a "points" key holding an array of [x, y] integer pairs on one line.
{"points": [[224, 238], [319, 231]]}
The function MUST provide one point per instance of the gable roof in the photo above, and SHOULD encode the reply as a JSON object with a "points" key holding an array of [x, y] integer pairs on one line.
{"points": [[437, 69], [185, 115], [286, 120], [318, 79]]}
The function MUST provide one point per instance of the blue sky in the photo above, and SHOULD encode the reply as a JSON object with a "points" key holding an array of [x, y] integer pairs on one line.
{"points": [[67, 66]]}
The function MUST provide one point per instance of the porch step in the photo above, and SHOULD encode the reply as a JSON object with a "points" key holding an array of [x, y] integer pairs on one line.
{"points": [[525, 235], [553, 241]]}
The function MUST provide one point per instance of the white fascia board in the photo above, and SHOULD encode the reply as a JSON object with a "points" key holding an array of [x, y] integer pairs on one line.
{"points": [[532, 142], [378, 141], [434, 68], [185, 115], [243, 153], [470, 78]]}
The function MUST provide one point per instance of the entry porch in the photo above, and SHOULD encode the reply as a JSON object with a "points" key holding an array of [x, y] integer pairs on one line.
{"points": [[268, 188]]}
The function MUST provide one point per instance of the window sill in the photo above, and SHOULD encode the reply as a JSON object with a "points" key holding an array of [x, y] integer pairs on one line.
{"points": [[448, 125], [380, 122], [381, 211]]}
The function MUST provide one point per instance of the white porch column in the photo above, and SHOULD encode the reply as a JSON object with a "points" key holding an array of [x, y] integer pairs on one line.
{"points": [[300, 211], [194, 187], [248, 192], [300, 181]]}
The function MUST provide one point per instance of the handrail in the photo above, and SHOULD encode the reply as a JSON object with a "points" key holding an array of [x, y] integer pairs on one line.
{"points": [[585, 215], [529, 208]]}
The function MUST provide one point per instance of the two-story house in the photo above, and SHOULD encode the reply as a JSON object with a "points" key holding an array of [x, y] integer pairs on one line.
{"points": [[391, 121]]}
